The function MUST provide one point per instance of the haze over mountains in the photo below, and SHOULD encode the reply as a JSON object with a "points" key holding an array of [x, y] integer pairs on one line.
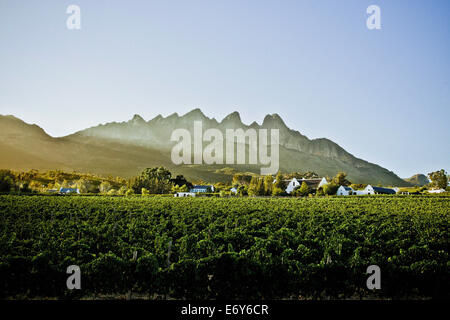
{"points": [[125, 148]]}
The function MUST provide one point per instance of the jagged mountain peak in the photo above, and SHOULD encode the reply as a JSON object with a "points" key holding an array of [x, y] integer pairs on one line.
{"points": [[274, 120], [137, 119], [234, 117], [196, 113], [155, 119], [172, 116], [254, 125]]}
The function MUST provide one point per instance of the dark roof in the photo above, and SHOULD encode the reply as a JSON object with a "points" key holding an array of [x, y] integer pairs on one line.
{"points": [[312, 183], [384, 190], [68, 190], [203, 188], [347, 188]]}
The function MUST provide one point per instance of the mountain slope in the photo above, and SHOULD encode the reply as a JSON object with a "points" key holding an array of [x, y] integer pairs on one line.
{"points": [[125, 148], [418, 180]]}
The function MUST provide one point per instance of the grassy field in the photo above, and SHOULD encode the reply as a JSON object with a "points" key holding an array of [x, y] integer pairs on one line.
{"points": [[237, 248]]}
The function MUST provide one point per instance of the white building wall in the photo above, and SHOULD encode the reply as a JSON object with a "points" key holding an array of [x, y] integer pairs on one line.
{"points": [[369, 190], [322, 182], [342, 192], [292, 185]]}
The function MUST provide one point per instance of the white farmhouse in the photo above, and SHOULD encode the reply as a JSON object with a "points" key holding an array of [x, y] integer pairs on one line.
{"points": [[184, 194], [345, 191], [436, 191], [292, 185], [312, 183], [69, 190], [378, 190]]}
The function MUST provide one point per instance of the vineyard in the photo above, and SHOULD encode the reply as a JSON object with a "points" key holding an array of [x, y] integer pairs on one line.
{"points": [[215, 248]]}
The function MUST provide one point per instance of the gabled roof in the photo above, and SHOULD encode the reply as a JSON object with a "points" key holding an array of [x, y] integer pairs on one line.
{"points": [[383, 190], [312, 183]]}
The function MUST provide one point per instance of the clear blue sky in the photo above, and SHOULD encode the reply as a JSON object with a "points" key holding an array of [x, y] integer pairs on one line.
{"points": [[383, 95]]}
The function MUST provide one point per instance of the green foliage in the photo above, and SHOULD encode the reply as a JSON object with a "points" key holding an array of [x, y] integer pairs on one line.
{"points": [[6, 180], [358, 186], [242, 191], [36, 181], [278, 185], [303, 190], [268, 184], [233, 248], [330, 188], [156, 180], [256, 187], [242, 178], [438, 179], [181, 182], [277, 192], [341, 179]]}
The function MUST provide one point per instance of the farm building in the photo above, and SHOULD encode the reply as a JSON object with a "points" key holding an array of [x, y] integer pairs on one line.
{"points": [[378, 190], [313, 184], [345, 191], [436, 191], [69, 190], [184, 194], [204, 189]]}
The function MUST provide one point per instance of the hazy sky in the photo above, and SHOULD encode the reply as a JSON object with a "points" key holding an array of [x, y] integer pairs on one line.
{"points": [[383, 95]]}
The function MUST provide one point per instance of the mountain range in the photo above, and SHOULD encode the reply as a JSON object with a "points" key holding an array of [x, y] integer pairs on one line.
{"points": [[126, 148]]}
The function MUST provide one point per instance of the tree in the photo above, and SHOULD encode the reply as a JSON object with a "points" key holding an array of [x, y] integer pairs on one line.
{"points": [[341, 179], [175, 189], [219, 186], [156, 180], [242, 191], [439, 179], [261, 189], [276, 192], [303, 191], [330, 188], [180, 180], [241, 178], [279, 182], [105, 187], [358, 186], [268, 184], [82, 185], [6, 180], [253, 187]]}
